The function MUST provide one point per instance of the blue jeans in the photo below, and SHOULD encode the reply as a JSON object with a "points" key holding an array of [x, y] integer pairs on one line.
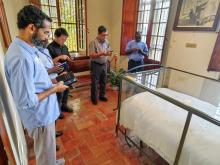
{"points": [[133, 64]]}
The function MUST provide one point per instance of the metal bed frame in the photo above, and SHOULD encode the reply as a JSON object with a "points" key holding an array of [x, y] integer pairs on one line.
{"points": [[191, 111]]}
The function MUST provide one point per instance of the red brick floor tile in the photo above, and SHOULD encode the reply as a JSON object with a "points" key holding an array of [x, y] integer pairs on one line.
{"points": [[89, 135], [102, 159], [69, 145], [78, 161], [86, 153]]}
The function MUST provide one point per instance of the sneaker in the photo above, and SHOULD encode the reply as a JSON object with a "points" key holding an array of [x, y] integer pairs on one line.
{"points": [[57, 148], [103, 99], [59, 133], [94, 102], [66, 108], [61, 116]]}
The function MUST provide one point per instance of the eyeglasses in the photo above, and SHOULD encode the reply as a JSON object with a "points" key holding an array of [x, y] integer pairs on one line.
{"points": [[104, 35]]}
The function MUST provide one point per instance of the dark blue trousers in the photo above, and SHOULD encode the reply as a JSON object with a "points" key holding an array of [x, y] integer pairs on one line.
{"points": [[132, 64]]}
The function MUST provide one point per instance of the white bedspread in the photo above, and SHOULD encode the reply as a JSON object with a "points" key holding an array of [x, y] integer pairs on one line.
{"points": [[159, 124]]}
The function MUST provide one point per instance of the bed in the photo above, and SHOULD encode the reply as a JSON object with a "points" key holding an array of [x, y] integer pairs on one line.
{"points": [[174, 112]]}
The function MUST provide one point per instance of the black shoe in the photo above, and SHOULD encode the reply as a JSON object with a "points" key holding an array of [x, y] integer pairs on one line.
{"points": [[103, 99], [57, 148], [94, 102], [61, 116], [59, 133], [66, 108]]}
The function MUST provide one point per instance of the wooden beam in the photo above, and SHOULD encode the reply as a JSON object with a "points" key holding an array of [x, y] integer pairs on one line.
{"points": [[4, 26], [6, 142]]}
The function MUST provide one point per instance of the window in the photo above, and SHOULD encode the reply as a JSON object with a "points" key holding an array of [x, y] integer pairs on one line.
{"points": [[153, 13], [71, 15], [148, 79], [151, 21]]}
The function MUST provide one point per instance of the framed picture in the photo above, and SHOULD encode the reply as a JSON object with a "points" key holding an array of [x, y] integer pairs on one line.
{"points": [[197, 15]]}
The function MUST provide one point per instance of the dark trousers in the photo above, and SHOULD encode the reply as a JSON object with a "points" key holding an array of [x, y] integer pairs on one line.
{"points": [[98, 77], [62, 97], [132, 64]]}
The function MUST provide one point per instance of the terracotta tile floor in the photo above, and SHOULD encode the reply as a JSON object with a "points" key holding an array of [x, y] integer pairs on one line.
{"points": [[89, 137]]}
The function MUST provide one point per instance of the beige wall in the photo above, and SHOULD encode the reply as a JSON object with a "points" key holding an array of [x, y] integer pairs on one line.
{"points": [[176, 55], [98, 13], [194, 60], [11, 8], [108, 13]]}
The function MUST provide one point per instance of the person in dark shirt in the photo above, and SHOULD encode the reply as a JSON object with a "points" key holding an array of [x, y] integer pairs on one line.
{"points": [[60, 53]]}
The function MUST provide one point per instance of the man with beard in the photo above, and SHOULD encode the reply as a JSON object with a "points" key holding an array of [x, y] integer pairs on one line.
{"points": [[31, 87], [136, 50]]}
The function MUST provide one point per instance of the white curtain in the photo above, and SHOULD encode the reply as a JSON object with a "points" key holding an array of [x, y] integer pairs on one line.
{"points": [[11, 118]]}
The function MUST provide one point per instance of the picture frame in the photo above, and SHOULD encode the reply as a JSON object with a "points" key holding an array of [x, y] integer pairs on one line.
{"points": [[197, 15]]}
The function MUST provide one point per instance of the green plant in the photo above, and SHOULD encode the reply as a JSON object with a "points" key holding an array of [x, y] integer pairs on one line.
{"points": [[114, 77]]}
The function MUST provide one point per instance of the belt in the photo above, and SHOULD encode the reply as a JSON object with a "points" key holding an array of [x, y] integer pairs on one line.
{"points": [[98, 63]]}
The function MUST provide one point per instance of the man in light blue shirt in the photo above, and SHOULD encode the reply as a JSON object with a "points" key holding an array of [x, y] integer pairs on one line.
{"points": [[47, 60], [31, 87], [136, 50]]}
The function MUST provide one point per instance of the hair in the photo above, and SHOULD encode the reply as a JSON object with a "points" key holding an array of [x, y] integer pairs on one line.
{"points": [[31, 15], [60, 31], [138, 32], [101, 29]]}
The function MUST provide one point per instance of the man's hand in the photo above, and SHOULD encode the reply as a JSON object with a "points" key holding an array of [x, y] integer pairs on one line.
{"points": [[54, 81], [140, 51], [135, 49], [64, 57], [103, 53], [108, 53], [55, 69], [63, 73], [60, 87]]}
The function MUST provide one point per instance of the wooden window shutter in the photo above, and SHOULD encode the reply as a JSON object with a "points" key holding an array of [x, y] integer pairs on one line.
{"points": [[35, 2], [214, 64], [4, 26], [129, 22]]}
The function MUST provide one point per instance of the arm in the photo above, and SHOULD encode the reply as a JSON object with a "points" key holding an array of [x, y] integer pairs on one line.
{"points": [[144, 51], [57, 59], [93, 53], [97, 55], [59, 87], [129, 49], [55, 69], [22, 85]]}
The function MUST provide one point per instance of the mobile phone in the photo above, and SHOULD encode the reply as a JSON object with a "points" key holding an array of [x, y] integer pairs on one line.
{"points": [[62, 64]]}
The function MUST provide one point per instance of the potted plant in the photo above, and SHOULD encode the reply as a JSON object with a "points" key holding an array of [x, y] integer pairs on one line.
{"points": [[114, 78]]}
